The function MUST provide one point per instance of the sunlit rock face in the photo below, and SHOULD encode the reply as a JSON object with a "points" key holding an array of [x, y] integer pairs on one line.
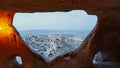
{"points": [[7, 45], [11, 45], [105, 37]]}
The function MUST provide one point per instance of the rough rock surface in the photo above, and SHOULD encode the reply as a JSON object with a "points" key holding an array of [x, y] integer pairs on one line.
{"points": [[104, 37], [58, 5]]}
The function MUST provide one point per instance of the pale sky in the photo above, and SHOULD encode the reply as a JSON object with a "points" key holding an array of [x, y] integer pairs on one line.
{"points": [[73, 20]]}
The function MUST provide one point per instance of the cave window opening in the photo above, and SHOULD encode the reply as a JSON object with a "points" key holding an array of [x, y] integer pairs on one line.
{"points": [[51, 34], [19, 60], [98, 57]]}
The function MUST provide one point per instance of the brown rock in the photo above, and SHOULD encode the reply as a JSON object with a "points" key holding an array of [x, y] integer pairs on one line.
{"points": [[104, 37]]}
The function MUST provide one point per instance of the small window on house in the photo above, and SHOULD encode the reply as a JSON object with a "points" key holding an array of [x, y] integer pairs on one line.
{"points": [[51, 34]]}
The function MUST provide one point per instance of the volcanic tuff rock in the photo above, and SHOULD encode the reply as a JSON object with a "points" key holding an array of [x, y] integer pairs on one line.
{"points": [[104, 37]]}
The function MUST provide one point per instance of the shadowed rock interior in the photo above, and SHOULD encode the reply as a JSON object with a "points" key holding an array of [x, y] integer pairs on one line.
{"points": [[104, 37]]}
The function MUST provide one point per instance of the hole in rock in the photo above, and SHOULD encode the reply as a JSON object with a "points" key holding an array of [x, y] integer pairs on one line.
{"points": [[52, 34], [19, 60], [98, 57]]}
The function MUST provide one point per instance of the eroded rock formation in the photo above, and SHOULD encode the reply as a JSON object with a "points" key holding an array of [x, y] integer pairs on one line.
{"points": [[104, 37], [11, 45]]}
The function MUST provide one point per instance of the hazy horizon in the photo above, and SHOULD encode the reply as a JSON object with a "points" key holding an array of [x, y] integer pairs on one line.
{"points": [[55, 29]]}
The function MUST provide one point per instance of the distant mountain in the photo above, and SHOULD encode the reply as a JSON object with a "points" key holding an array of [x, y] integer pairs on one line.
{"points": [[38, 32]]}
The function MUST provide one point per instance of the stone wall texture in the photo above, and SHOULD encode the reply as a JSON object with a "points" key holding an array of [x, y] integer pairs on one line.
{"points": [[104, 37]]}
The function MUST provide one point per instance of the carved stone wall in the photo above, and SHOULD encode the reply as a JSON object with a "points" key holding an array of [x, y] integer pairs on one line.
{"points": [[104, 37]]}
